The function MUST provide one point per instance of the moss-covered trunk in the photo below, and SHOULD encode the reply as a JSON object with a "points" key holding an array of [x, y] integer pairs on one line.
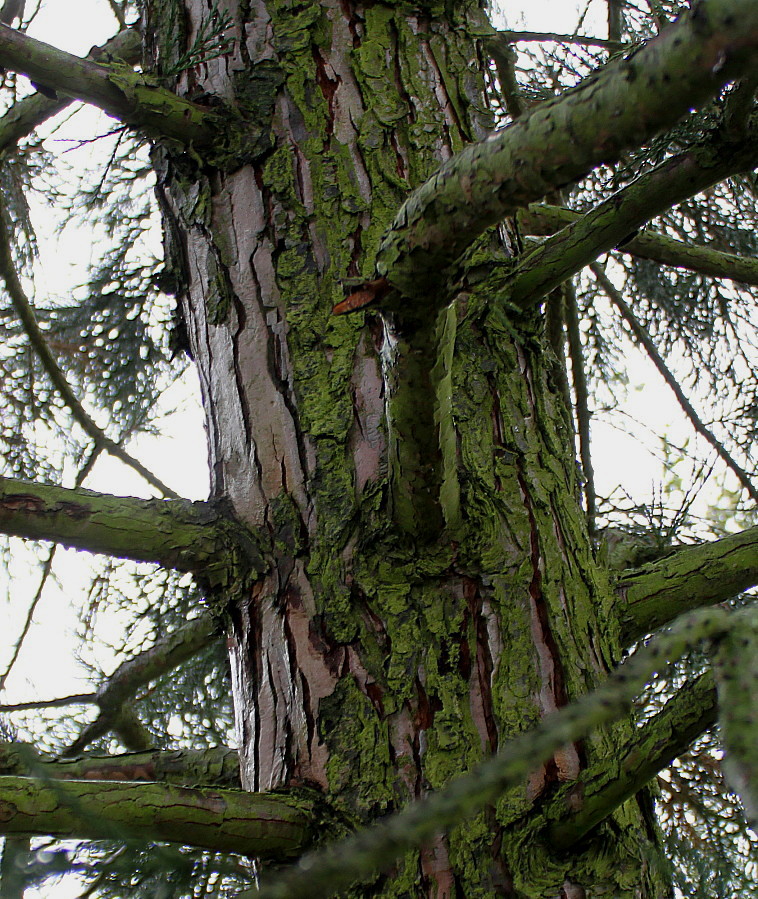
{"points": [[434, 590]]}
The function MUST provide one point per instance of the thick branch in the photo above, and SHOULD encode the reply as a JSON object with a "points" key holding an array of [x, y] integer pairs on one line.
{"points": [[217, 766], [162, 657], [545, 220], [116, 89], [271, 826], [689, 578], [619, 107], [612, 221], [599, 790], [178, 534], [27, 114]]}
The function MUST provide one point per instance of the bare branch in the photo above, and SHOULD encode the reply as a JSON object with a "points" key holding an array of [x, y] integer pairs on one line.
{"points": [[59, 703], [581, 393], [615, 219], [563, 139], [641, 335], [551, 37], [47, 567], [159, 659], [543, 219], [27, 114], [688, 714], [217, 766], [689, 578]]}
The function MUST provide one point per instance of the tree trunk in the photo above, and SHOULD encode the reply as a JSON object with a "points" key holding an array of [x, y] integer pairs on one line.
{"points": [[433, 590]]}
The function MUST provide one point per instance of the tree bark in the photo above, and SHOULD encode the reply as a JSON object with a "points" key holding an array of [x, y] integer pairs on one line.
{"points": [[377, 661]]}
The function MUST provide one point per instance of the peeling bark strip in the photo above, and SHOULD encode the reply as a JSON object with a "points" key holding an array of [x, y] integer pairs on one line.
{"points": [[271, 827], [187, 536], [619, 107]]}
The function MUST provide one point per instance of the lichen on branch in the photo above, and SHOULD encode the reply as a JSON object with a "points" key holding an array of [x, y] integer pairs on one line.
{"points": [[558, 142]]}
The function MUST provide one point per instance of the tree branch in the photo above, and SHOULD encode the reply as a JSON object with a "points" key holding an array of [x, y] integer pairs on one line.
{"points": [[129, 96], [552, 37], [615, 219], [689, 578], [628, 101], [271, 826], [47, 567], [217, 766], [545, 220], [187, 536], [599, 790], [27, 114], [38, 343], [165, 655], [641, 335]]}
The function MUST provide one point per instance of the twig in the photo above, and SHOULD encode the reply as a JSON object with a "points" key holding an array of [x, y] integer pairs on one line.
{"points": [[643, 337], [551, 37], [61, 702], [581, 394], [46, 569]]}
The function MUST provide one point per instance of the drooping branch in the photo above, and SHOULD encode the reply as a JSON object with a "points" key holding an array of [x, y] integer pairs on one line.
{"points": [[46, 570], [642, 337], [121, 687], [583, 804], [217, 766], [27, 114], [689, 578], [335, 868], [615, 219], [28, 319], [128, 96], [187, 536], [628, 101], [542, 219], [271, 826]]}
